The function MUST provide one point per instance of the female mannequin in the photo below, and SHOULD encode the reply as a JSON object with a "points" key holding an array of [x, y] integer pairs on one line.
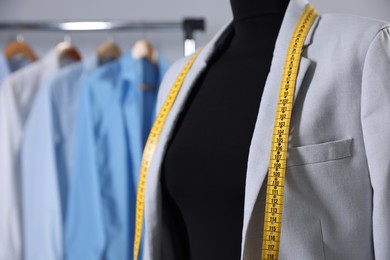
{"points": [[205, 215]]}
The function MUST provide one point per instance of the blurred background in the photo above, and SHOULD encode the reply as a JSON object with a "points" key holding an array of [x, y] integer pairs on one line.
{"points": [[78, 140], [215, 12]]}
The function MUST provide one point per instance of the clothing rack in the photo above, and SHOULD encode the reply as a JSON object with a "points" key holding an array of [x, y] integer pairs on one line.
{"points": [[188, 26]]}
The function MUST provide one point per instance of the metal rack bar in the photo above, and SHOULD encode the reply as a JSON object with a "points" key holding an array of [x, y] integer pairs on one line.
{"points": [[188, 26]]}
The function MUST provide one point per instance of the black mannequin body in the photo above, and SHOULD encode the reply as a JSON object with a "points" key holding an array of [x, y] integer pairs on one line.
{"points": [[204, 170]]}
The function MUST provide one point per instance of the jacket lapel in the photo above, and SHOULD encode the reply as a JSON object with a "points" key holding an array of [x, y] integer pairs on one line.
{"points": [[304, 66], [259, 153], [153, 204]]}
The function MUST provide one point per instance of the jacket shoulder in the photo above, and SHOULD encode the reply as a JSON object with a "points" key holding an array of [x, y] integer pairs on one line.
{"points": [[353, 25], [344, 35]]}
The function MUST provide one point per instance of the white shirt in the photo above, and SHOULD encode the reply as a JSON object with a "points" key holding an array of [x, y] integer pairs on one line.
{"points": [[17, 95], [46, 157]]}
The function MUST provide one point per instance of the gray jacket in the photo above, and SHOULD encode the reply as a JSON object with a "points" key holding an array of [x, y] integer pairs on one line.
{"points": [[337, 190]]}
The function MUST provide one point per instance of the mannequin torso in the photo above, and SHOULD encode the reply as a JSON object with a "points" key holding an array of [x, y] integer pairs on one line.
{"points": [[212, 138]]}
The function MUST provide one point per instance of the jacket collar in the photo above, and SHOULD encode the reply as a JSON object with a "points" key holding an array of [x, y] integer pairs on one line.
{"points": [[292, 15], [290, 20]]}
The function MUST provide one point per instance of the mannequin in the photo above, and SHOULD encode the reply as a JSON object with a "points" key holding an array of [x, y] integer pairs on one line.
{"points": [[213, 136]]}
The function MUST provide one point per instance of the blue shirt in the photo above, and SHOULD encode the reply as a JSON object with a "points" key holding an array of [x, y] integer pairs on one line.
{"points": [[46, 160], [116, 114]]}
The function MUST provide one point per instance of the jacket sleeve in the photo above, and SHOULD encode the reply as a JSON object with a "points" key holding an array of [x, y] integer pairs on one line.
{"points": [[84, 228], [375, 118]]}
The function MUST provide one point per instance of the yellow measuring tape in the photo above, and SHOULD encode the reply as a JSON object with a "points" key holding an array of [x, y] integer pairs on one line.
{"points": [[150, 147], [277, 166], [275, 190]]}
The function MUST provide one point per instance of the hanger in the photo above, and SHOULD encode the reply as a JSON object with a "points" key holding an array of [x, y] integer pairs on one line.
{"points": [[108, 51], [66, 49], [144, 49], [19, 47]]}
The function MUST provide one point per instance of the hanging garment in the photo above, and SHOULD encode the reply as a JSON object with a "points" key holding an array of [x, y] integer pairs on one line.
{"points": [[47, 158], [9, 66], [17, 95], [115, 116], [337, 187]]}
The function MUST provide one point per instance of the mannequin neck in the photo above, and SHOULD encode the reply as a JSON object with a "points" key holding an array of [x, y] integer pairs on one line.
{"points": [[256, 23], [244, 9]]}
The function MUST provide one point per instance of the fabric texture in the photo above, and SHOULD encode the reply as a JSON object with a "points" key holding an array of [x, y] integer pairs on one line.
{"points": [[337, 188], [117, 107], [47, 155]]}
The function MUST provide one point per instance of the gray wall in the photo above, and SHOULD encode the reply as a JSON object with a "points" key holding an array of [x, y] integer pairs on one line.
{"points": [[217, 12]]}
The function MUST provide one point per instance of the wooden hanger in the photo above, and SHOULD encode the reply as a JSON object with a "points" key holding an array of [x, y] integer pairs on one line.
{"points": [[108, 51], [144, 49], [19, 47], [66, 49]]}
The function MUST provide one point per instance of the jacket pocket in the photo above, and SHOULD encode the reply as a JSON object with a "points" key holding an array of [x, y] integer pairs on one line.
{"points": [[317, 153]]}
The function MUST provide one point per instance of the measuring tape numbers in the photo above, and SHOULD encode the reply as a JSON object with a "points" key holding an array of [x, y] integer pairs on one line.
{"points": [[277, 166]]}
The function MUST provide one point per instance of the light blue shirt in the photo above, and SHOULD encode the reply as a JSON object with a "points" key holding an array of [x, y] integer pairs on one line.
{"points": [[17, 96], [116, 115], [46, 160]]}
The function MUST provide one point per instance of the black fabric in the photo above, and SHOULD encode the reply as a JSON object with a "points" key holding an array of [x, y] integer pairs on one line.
{"points": [[204, 169]]}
